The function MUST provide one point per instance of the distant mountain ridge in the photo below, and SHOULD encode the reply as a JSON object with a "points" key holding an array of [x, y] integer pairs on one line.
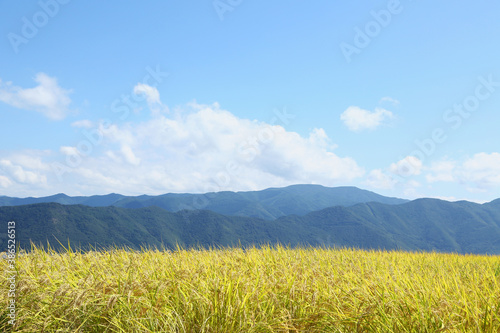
{"points": [[267, 204], [419, 225], [422, 224], [63, 199]]}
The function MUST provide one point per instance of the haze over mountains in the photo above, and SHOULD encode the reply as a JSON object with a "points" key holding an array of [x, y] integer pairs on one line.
{"points": [[295, 215]]}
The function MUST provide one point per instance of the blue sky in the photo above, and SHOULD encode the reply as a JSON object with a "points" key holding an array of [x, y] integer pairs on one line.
{"points": [[398, 97]]}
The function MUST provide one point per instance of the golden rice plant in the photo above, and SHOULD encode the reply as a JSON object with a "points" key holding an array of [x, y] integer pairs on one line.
{"points": [[266, 289]]}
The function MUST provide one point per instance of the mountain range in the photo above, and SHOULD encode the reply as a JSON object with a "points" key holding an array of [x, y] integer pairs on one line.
{"points": [[298, 215], [268, 204]]}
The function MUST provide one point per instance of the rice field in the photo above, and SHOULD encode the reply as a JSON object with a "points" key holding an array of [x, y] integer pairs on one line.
{"points": [[267, 289]]}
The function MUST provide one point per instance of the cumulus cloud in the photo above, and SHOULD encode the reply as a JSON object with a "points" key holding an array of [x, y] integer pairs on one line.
{"points": [[20, 174], [318, 137], [200, 148], [357, 119], [478, 173], [47, 97], [408, 166], [398, 176], [5, 182], [441, 171], [208, 145], [482, 170]]}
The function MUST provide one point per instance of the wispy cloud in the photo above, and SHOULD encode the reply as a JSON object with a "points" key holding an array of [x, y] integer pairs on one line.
{"points": [[152, 97], [47, 97], [388, 99], [82, 124], [357, 119]]}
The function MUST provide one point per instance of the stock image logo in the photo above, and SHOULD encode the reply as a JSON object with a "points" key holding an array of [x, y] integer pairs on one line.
{"points": [[31, 26]]}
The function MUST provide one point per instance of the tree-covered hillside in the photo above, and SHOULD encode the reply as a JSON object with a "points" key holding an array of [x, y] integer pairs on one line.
{"points": [[425, 224]]}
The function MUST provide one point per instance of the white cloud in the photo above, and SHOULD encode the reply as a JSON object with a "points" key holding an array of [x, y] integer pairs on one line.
{"points": [[151, 93], [357, 119], [68, 150], [380, 180], [413, 184], [199, 149], [482, 171], [478, 173], [318, 137], [26, 173], [441, 171], [47, 97], [5, 182], [152, 98], [410, 189], [408, 166], [20, 174], [390, 100], [129, 155], [82, 124], [200, 146], [30, 159]]}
